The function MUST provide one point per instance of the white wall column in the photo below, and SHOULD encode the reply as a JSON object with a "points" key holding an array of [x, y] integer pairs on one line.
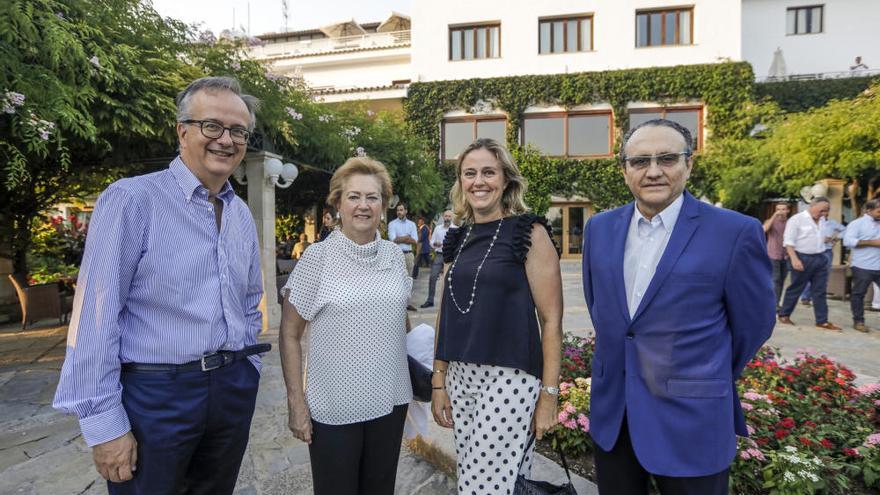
{"points": [[261, 200]]}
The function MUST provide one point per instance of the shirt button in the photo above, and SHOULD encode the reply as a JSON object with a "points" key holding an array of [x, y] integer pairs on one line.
{"points": [[630, 335]]}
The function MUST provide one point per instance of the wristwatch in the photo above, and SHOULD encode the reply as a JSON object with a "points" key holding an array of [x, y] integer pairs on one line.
{"points": [[551, 390]]}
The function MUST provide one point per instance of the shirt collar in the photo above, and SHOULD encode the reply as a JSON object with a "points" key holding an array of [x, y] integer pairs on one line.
{"points": [[666, 218], [190, 184]]}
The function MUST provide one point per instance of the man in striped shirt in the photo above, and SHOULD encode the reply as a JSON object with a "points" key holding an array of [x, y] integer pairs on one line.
{"points": [[162, 366]]}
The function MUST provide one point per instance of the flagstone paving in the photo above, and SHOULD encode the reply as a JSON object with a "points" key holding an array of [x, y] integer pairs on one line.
{"points": [[42, 452]]}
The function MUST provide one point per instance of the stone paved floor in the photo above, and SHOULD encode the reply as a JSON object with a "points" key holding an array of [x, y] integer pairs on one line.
{"points": [[41, 451]]}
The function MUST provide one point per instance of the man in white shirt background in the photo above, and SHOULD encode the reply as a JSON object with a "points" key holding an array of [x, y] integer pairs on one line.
{"points": [[404, 233], [863, 238], [437, 263], [804, 241]]}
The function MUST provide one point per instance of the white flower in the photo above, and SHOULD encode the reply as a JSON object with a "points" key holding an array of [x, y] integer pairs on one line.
{"points": [[790, 448], [360, 151], [293, 113], [94, 61], [789, 476]]}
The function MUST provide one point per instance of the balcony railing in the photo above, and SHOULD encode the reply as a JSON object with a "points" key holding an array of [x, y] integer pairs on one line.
{"points": [[328, 45], [821, 75]]}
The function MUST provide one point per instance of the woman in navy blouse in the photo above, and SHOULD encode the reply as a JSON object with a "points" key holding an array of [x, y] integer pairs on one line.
{"points": [[496, 368]]}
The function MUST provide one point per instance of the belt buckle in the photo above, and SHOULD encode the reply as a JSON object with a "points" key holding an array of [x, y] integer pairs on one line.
{"points": [[212, 361]]}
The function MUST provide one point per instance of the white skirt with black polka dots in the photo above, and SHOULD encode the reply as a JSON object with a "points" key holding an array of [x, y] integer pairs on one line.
{"points": [[492, 408]]}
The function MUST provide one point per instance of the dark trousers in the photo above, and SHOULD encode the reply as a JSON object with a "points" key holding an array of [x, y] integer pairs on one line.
{"points": [[358, 458], [816, 273], [861, 279], [436, 270], [423, 257], [619, 472], [192, 428], [829, 253], [780, 271]]}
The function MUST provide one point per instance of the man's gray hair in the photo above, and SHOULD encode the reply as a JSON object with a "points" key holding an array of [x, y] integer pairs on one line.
{"points": [[184, 98], [685, 134], [819, 199]]}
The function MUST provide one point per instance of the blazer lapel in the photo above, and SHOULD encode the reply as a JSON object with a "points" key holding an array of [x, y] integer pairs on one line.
{"points": [[618, 246], [685, 227]]}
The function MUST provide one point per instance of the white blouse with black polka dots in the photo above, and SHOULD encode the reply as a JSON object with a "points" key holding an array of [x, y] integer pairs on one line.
{"points": [[354, 298]]}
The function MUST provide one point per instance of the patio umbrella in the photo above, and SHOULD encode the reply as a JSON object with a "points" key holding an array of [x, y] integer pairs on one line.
{"points": [[395, 22], [343, 29], [777, 67]]}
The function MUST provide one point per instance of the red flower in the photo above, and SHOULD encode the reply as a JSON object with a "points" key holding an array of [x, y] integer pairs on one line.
{"points": [[827, 443], [780, 434], [762, 441], [851, 452], [787, 423], [806, 441], [810, 424]]}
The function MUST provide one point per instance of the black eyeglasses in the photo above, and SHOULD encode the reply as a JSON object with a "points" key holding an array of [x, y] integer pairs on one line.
{"points": [[213, 130], [664, 160]]}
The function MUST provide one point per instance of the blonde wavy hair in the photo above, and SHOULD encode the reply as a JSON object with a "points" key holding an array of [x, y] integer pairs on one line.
{"points": [[513, 197], [359, 166]]}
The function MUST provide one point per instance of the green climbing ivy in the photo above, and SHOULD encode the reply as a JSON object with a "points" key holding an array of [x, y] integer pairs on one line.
{"points": [[724, 88], [799, 96]]}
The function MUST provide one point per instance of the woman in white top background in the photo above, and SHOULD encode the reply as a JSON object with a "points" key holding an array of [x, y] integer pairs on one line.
{"points": [[352, 291]]}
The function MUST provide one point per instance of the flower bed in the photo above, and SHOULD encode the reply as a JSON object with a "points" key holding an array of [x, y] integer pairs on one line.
{"points": [[811, 429]]}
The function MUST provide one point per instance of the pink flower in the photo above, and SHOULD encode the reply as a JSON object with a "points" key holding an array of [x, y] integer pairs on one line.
{"points": [[750, 429], [570, 424], [757, 454], [747, 407], [570, 409], [564, 386], [872, 440], [868, 388], [563, 416], [745, 454]]}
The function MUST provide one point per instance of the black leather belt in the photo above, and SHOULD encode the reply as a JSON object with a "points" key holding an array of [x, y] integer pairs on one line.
{"points": [[208, 362]]}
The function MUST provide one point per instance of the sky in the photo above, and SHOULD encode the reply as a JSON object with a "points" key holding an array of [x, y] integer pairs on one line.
{"points": [[265, 15]]}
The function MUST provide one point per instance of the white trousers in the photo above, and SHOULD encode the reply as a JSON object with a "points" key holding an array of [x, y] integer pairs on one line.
{"points": [[492, 409]]}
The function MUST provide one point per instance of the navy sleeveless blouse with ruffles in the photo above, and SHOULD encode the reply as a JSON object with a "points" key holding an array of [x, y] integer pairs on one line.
{"points": [[501, 328]]}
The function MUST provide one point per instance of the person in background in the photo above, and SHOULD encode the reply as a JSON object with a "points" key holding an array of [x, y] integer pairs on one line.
{"points": [[300, 247], [498, 351], [805, 242], [832, 230], [862, 236], [774, 229], [351, 290], [327, 225], [402, 231], [437, 238], [424, 255], [162, 366]]}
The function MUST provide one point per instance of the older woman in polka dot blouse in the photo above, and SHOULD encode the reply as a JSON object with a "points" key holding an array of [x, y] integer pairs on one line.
{"points": [[351, 290]]}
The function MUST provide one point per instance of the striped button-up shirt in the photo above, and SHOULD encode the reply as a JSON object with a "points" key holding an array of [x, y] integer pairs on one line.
{"points": [[158, 284]]}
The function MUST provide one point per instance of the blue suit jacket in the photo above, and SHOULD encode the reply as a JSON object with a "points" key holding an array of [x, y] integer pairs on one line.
{"points": [[672, 367]]}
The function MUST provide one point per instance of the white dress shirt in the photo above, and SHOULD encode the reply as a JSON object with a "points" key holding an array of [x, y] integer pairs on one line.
{"points": [[645, 243], [398, 228], [438, 235], [804, 234]]}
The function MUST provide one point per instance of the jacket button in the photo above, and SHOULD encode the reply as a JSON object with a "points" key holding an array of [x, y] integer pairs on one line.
{"points": [[630, 335]]}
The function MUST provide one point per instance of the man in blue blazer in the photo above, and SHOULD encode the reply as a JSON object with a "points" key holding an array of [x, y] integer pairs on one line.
{"points": [[681, 297]]}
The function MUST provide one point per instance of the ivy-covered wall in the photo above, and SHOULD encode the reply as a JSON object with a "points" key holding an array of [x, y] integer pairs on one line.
{"points": [[723, 88], [798, 96]]}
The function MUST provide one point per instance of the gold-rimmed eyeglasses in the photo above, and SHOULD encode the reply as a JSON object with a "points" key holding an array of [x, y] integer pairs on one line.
{"points": [[664, 160]]}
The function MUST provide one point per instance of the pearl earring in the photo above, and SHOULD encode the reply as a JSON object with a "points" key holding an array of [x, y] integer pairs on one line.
{"points": [[338, 216]]}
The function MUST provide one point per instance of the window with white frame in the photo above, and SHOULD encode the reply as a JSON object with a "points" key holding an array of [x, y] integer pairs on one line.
{"points": [[691, 118], [569, 134], [565, 34], [804, 20], [664, 27], [475, 42], [459, 132]]}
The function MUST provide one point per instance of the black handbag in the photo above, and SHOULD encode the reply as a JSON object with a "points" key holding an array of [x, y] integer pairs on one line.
{"points": [[420, 377], [525, 486]]}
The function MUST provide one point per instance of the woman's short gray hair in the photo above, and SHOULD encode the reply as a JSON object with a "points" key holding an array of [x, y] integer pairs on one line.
{"points": [[184, 98]]}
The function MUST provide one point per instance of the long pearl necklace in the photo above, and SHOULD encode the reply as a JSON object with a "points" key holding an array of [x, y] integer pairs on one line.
{"points": [[479, 267]]}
